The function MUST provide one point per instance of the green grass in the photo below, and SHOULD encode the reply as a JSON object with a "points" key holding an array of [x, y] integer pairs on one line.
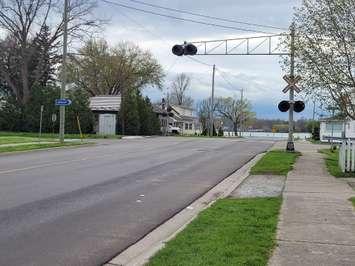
{"points": [[55, 136], [276, 162], [28, 147], [318, 142], [16, 139], [230, 232], [352, 200], [332, 163]]}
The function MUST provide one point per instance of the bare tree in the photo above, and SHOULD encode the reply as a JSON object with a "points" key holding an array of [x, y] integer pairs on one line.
{"points": [[204, 109], [179, 88], [325, 52], [237, 111], [22, 20]]}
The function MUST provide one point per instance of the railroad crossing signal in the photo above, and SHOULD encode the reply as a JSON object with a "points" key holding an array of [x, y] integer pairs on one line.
{"points": [[292, 83], [185, 49], [298, 106]]}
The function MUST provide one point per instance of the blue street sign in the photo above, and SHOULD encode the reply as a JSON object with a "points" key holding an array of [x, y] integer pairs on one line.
{"points": [[62, 102]]}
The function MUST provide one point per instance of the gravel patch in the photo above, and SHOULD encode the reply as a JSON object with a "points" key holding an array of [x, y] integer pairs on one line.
{"points": [[260, 186]]}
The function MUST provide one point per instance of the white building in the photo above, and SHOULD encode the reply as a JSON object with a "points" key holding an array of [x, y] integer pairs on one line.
{"points": [[336, 128], [106, 109], [182, 117]]}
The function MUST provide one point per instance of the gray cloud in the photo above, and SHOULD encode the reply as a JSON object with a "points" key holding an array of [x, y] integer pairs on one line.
{"points": [[261, 77]]}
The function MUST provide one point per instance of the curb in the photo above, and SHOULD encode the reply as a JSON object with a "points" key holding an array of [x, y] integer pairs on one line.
{"points": [[140, 252]]}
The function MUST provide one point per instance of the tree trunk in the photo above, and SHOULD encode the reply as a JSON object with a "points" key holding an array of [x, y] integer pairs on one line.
{"points": [[235, 128], [25, 85]]}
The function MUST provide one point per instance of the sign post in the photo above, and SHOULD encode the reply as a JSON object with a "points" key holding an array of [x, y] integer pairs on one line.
{"points": [[40, 123]]}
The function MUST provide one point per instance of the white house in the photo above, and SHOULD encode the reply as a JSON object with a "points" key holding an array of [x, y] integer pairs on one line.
{"points": [[184, 119], [336, 128], [181, 117]]}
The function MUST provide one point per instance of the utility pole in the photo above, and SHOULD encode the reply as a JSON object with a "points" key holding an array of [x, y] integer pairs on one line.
{"points": [[64, 73], [290, 144], [123, 112], [212, 102], [241, 112]]}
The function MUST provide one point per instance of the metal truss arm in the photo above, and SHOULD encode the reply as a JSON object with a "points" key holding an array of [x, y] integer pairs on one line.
{"points": [[260, 45]]}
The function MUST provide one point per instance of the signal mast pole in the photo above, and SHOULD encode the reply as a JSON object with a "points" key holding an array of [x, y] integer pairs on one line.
{"points": [[290, 142]]}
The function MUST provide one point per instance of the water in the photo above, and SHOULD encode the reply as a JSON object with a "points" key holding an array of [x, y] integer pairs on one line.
{"points": [[301, 136]]}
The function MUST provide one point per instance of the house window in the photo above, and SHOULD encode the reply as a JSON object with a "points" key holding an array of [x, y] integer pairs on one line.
{"points": [[190, 126], [186, 126], [335, 126]]}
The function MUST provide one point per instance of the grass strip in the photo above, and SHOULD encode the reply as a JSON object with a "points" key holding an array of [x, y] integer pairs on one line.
{"points": [[332, 163], [16, 139], [28, 147], [230, 232], [55, 136], [277, 162], [352, 200]]}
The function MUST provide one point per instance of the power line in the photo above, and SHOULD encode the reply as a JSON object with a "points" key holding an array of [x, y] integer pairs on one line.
{"points": [[184, 19], [226, 80], [199, 61], [155, 35], [207, 16]]}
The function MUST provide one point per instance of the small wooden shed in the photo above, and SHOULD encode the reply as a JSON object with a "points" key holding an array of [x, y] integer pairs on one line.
{"points": [[106, 109]]}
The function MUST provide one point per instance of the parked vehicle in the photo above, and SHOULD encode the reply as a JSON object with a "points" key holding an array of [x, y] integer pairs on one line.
{"points": [[174, 130]]}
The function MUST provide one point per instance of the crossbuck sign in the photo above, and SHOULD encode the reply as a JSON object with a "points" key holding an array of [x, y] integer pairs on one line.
{"points": [[292, 83]]}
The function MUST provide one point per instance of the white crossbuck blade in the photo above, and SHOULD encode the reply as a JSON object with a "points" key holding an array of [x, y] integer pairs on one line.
{"points": [[292, 81]]}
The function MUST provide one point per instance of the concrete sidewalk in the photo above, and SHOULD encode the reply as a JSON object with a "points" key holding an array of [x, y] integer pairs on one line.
{"points": [[317, 221]]}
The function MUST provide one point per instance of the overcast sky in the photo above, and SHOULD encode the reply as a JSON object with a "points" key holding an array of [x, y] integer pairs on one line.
{"points": [[259, 76]]}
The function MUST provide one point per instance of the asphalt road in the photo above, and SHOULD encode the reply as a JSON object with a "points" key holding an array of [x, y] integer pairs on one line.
{"points": [[82, 206]]}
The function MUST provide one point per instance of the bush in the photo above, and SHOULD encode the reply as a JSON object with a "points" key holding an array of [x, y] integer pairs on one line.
{"points": [[17, 117]]}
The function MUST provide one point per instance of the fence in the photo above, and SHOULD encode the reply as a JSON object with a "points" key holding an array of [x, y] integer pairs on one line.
{"points": [[347, 156]]}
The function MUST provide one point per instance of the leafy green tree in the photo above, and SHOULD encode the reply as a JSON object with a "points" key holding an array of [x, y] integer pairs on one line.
{"points": [[149, 122], [11, 114], [79, 109], [17, 117], [129, 114], [325, 51], [31, 111], [104, 70]]}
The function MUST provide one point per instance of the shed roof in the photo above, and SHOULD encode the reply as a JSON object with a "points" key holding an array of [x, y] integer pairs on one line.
{"points": [[105, 103]]}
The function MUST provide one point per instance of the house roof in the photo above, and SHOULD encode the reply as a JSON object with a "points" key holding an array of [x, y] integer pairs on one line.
{"points": [[182, 107], [105, 103], [157, 109]]}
